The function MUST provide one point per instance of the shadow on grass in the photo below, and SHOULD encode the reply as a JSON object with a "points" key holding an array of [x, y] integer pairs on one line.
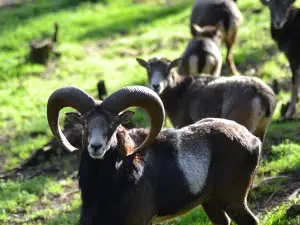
{"points": [[254, 57], [282, 130], [13, 16], [121, 23]]}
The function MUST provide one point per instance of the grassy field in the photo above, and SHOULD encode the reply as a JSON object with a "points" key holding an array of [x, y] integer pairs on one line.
{"points": [[101, 41]]}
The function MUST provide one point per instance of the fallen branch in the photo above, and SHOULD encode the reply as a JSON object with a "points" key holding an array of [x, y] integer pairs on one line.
{"points": [[294, 194], [268, 179], [65, 195]]}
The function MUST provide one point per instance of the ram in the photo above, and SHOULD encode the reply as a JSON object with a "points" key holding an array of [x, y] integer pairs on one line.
{"points": [[202, 54], [285, 31], [139, 177], [214, 12], [187, 99]]}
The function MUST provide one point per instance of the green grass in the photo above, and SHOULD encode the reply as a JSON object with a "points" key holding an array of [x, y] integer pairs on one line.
{"points": [[278, 216], [101, 41]]}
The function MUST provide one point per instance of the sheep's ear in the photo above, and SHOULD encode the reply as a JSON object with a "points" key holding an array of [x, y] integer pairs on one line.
{"points": [[197, 28], [142, 62], [125, 117], [174, 63]]}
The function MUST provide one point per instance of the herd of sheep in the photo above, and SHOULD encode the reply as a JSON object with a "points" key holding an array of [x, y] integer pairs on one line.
{"points": [[136, 176]]}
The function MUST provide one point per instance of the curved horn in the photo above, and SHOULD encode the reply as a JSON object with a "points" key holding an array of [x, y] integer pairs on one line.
{"points": [[143, 97], [66, 97]]}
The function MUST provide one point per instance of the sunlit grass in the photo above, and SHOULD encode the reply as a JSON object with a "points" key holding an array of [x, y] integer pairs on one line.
{"points": [[101, 41]]}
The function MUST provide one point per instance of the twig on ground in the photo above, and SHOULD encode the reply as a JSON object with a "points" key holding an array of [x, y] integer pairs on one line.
{"points": [[65, 195], [267, 179], [269, 199], [294, 194]]}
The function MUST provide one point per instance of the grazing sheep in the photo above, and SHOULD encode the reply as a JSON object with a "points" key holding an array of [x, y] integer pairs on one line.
{"points": [[127, 181], [285, 31], [202, 54], [213, 12], [246, 100]]}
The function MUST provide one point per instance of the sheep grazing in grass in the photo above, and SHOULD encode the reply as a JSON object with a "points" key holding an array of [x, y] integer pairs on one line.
{"points": [[187, 99], [214, 12], [202, 54], [285, 31]]}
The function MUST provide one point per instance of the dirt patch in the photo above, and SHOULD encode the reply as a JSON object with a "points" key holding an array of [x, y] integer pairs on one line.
{"points": [[273, 191], [59, 165]]}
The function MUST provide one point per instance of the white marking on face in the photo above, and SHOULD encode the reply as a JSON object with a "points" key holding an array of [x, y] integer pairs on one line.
{"points": [[158, 83], [193, 65], [97, 143], [194, 160], [280, 15], [278, 24]]}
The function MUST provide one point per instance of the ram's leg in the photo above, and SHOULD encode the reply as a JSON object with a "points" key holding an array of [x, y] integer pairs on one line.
{"points": [[295, 83], [210, 66], [230, 40], [215, 213], [241, 214]]}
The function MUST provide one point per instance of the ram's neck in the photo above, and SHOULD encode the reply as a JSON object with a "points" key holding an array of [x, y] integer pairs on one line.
{"points": [[174, 94], [91, 170], [175, 80], [100, 180], [107, 169]]}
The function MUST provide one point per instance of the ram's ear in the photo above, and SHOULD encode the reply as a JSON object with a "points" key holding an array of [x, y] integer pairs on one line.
{"points": [[174, 63], [143, 63], [125, 117]]}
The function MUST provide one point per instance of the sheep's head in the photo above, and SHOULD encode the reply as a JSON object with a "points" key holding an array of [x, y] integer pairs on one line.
{"points": [[158, 70], [280, 10], [101, 119], [99, 128]]}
